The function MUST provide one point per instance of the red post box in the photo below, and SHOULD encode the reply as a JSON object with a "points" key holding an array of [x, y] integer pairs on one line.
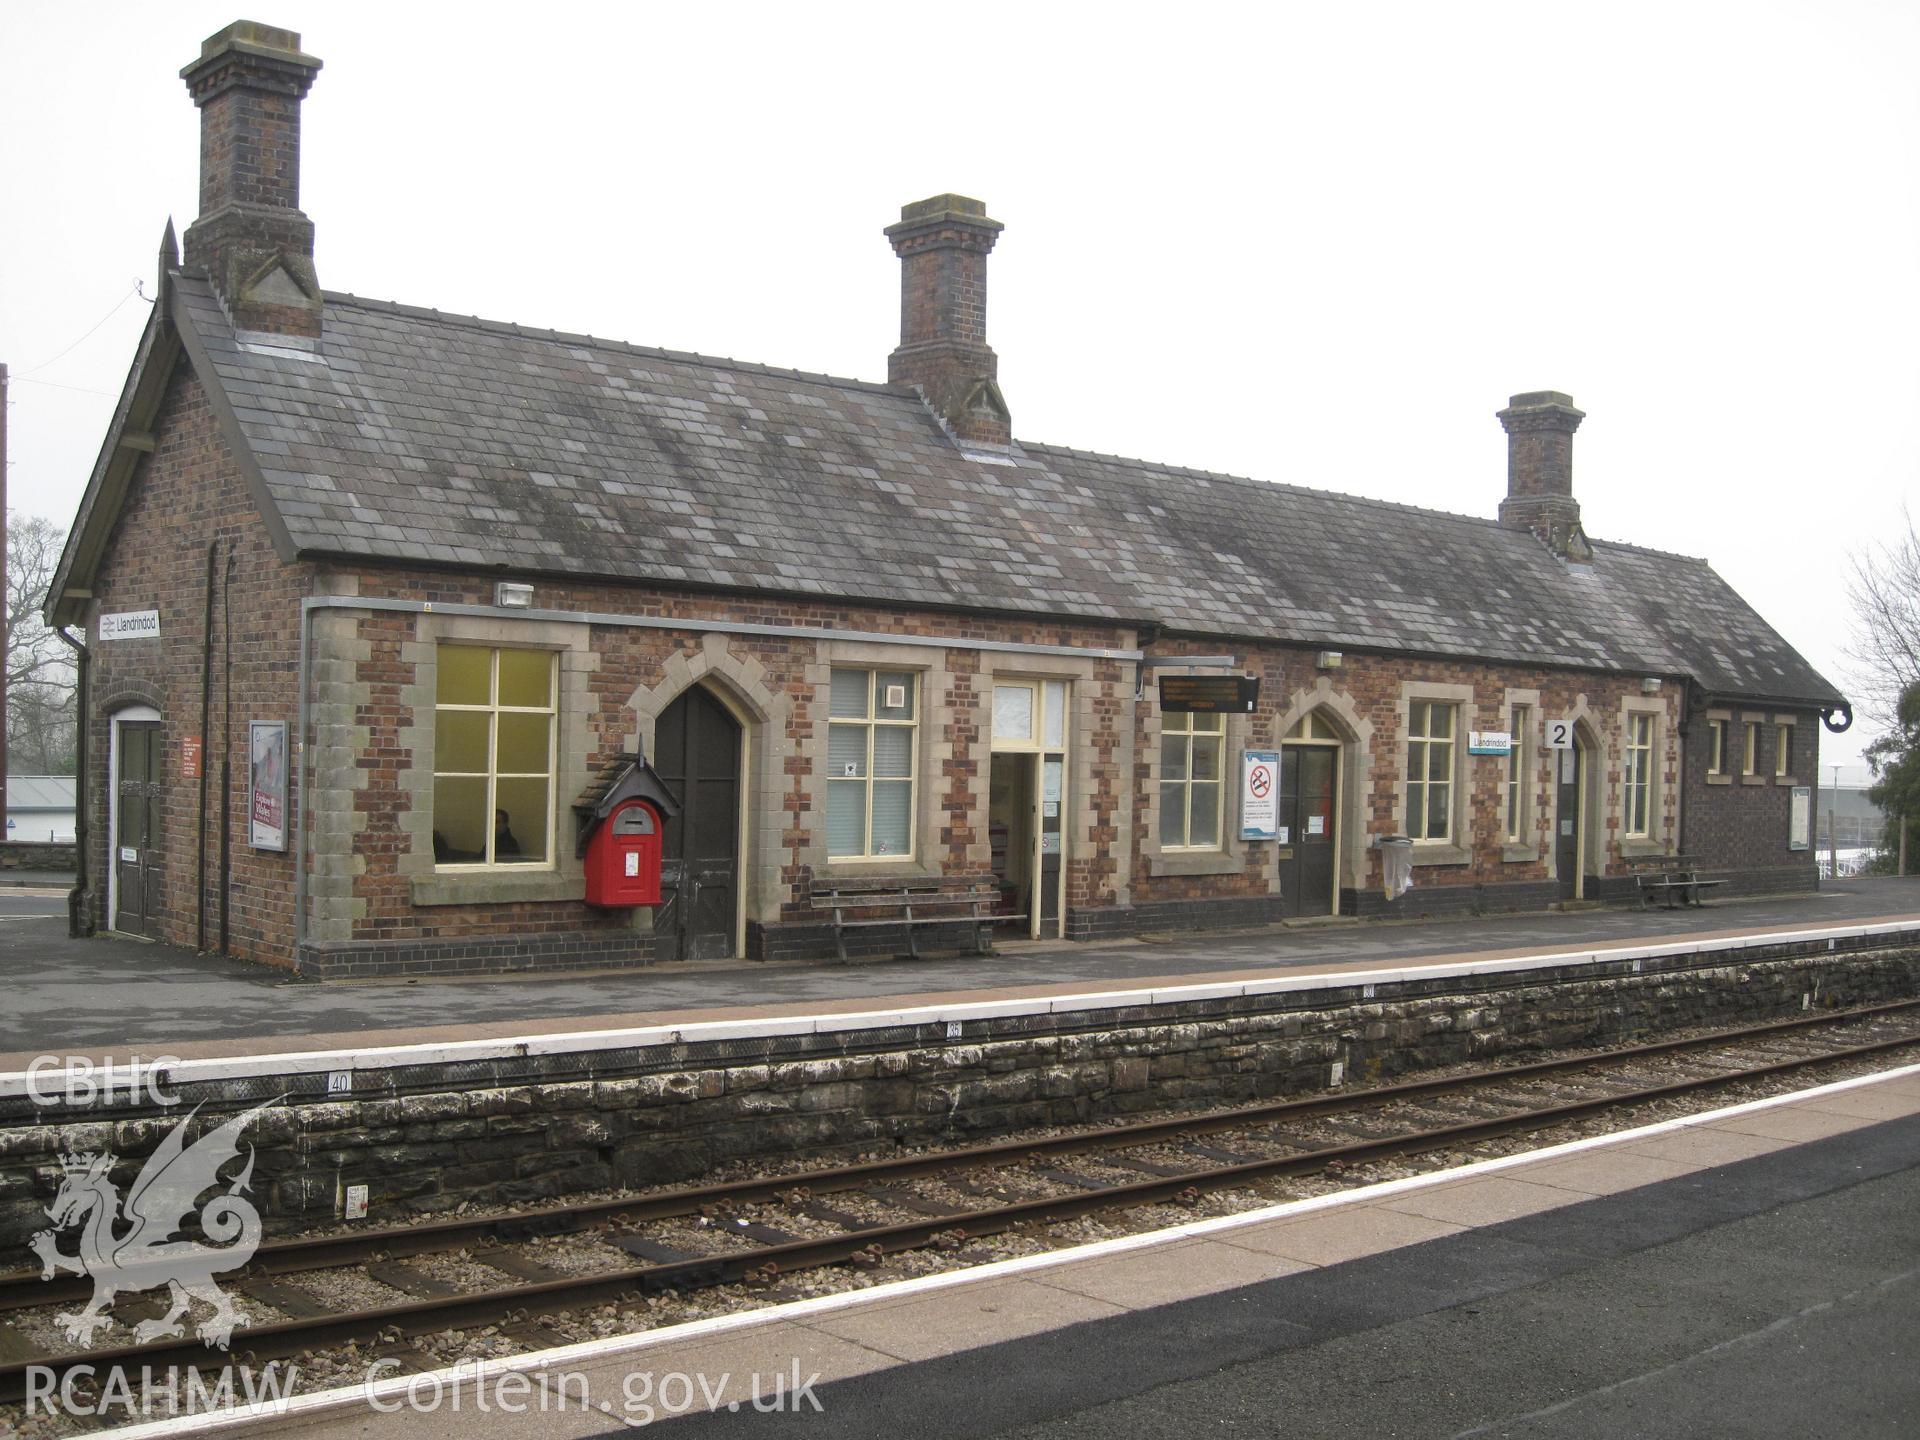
{"points": [[623, 856]]}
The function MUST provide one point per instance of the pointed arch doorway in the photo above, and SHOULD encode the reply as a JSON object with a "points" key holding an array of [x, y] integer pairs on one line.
{"points": [[1309, 850], [696, 750], [1575, 853]]}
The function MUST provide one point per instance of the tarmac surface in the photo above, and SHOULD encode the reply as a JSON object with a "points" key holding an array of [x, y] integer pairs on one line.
{"points": [[76, 995]]}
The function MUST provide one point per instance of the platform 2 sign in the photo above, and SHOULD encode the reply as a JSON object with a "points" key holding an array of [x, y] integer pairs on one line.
{"points": [[1259, 794], [1209, 694]]}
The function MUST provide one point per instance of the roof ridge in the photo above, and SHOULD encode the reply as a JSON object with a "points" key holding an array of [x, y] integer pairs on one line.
{"points": [[624, 347], [1655, 550]]}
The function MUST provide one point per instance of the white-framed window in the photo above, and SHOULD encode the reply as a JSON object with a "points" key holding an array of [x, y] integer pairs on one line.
{"points": [[1783, 750], [1029, 715], [872, 763], [1431, 737], [1639, 775], [493, 756], [1192, 748], [1716, 747], [1750, 763], [1517, 783]]}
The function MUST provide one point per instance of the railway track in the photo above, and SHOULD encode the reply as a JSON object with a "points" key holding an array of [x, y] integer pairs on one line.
{"points": [[759, 1230]]}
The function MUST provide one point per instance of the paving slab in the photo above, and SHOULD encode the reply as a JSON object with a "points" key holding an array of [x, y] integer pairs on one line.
{"points": [[1332, 1236], [1486, 1200], [963, 1318], [1610, 1171], [1166, 1274]]}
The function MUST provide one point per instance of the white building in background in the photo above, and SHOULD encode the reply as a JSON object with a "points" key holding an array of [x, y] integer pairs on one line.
{"points": [[40, 807]]}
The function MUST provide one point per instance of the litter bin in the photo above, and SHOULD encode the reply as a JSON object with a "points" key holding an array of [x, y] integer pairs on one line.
{"points": [[1396, 865]]}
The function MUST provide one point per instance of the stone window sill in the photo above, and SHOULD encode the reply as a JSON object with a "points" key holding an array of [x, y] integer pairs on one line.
{"points": [[1518, 854], [880, 868], [1195, 862], [1785, 780], [497, 887], [1643, 849], [1754, 779], [1719, 779], [1425, 854]]}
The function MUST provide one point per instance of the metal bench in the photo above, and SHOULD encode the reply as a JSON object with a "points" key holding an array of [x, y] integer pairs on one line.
{"points": [[912, 904]]}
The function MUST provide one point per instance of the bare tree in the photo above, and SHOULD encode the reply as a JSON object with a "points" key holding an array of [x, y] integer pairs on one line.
{"points": [[40, 673], [1884, 590]]}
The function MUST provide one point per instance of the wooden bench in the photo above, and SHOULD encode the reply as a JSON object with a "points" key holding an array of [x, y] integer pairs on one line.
{"points": [[1673, 879], [911, 904]]}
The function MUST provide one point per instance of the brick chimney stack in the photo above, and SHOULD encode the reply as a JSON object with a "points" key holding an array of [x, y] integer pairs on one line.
{"points": [[943, 245], [251, 239], [1540, 426]]}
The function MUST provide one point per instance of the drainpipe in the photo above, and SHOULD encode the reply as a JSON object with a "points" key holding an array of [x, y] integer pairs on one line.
{"points": [[76, 897], [206, 712], [226, 752], [307, 607]]}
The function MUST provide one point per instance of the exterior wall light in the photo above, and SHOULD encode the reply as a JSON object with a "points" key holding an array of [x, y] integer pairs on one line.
{"points": [[512, 595], [1329, 659], [1650, 685]]}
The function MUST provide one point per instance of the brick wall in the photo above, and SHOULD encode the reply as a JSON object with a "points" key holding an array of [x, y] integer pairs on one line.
{"points": [[188, 493], [1736, 824]]}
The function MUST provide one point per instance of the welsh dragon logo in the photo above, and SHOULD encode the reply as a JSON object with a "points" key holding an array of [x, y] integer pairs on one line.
{"points": [[135, 1246]]}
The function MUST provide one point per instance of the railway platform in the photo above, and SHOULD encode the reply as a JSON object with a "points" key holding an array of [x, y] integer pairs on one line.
{"points": [[1753, 1269], [121, 997]]}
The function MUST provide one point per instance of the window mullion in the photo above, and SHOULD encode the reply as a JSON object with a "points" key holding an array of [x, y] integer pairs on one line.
{"points": [[866, 845], [493, 754]]}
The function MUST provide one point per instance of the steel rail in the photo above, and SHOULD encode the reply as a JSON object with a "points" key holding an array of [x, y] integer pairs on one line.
{"points": [[24, 1289], [287, 1338]]}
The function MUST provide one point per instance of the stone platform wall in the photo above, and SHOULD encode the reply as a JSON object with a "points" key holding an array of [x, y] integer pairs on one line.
{"points": [[428, 1137]]}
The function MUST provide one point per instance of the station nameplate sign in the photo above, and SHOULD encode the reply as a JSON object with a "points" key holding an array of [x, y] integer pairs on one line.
{"points": [[1209, 694], [1489, 742], [130, 625]]}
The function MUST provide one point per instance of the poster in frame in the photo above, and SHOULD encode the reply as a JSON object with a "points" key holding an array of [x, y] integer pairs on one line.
{"points": [[267, 784]]}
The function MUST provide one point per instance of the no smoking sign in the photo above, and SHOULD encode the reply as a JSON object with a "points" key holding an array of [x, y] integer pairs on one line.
{"points": [[1259, 797]]}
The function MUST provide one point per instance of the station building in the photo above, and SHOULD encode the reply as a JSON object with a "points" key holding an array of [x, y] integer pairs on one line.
{"points": [[374, 595]]}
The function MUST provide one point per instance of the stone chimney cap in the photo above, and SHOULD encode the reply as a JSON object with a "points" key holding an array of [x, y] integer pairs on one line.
{"points": [[1541, 410], [944, 210], [250, 37], [1544, 400]]}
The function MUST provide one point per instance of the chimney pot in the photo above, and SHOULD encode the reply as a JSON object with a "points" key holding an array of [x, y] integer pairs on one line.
{"points": [[943, 243], [251, 237]]}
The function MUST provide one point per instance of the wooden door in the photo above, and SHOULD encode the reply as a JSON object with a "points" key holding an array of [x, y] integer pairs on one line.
{"points": [[136, 852], [697, 753], [1566, 841], [1309, 785]]}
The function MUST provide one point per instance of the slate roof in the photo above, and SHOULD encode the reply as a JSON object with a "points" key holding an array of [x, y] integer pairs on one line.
{"points": [[425, 437]]}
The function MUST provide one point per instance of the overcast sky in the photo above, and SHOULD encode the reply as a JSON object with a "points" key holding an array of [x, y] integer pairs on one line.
{"points": [[1313, 243]]}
